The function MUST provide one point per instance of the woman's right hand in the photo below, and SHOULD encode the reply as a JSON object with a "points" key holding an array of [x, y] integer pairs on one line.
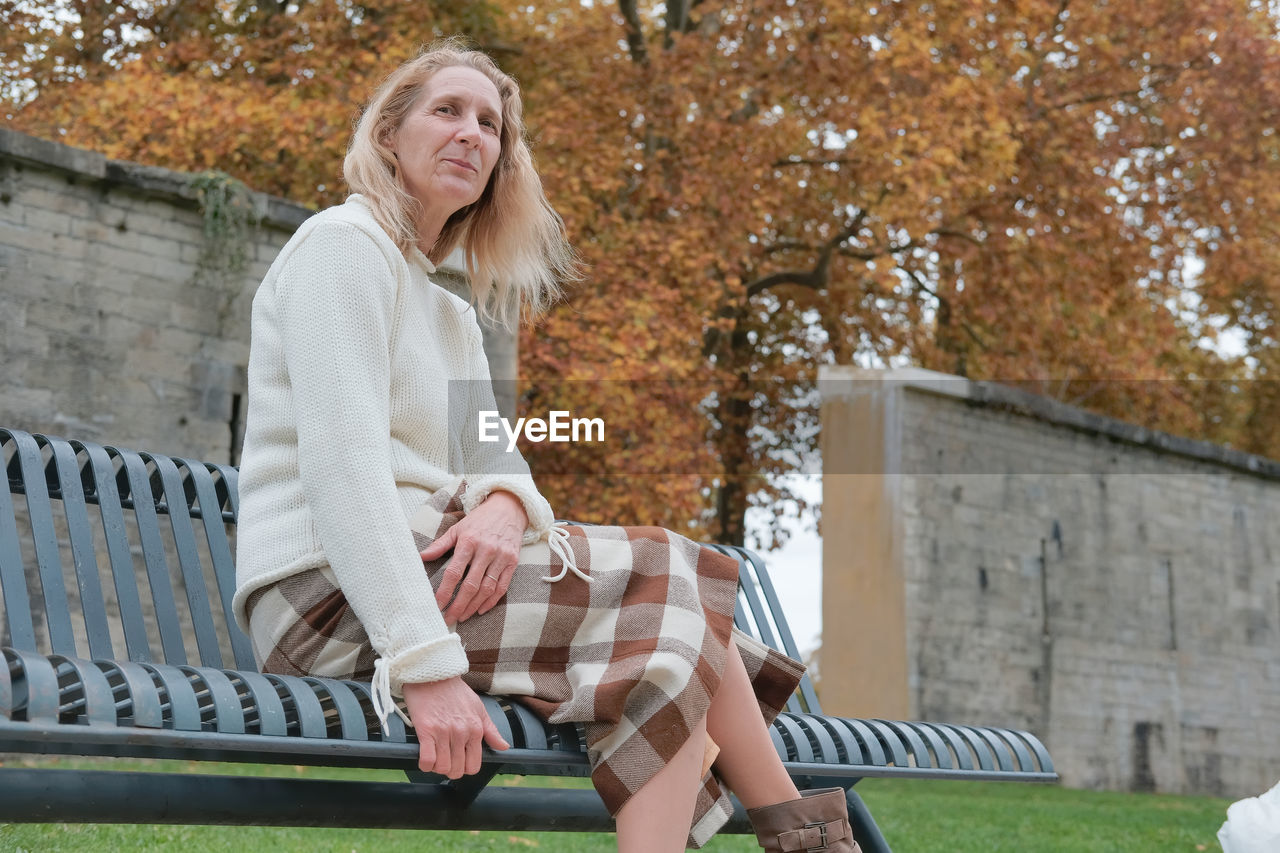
{"points": [[451, 722]]}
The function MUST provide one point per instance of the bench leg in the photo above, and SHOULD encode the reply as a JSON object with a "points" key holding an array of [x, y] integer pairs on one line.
{"points": [[865, 831]]}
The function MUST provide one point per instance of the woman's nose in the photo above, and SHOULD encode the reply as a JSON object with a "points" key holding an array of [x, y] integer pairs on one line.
{"points": [[468, 131]]}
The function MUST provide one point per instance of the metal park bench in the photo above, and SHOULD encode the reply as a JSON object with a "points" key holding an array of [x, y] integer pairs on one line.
{"points": [[117, 577]]}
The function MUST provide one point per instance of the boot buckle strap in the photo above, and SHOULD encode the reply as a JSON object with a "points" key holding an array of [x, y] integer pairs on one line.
{"points": [[813, 836]]}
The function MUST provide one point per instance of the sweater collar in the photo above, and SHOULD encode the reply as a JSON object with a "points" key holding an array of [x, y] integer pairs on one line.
{"points": [[414, 255]]}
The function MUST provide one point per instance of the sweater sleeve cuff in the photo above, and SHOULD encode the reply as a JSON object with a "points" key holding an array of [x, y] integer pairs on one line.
{"points": [[535, 505], [434, 661]]}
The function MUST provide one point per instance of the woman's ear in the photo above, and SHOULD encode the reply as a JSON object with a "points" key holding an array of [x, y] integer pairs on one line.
{"points": [[387, 139]]}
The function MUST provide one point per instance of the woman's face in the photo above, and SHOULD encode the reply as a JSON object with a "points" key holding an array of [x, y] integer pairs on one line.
{"points": [[449, 141]]}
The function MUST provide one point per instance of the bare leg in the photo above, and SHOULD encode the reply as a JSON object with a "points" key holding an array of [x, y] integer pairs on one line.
{"points": [[748, 762], [658, 816]]}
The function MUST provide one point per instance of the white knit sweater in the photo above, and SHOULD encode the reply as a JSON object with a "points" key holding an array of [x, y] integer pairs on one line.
{"points": [[364, 380]]}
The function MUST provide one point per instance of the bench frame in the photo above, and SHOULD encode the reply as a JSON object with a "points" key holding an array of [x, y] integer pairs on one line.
{"points": [[112, 674]]}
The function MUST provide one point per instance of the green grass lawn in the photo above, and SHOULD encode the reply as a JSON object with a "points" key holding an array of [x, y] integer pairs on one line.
{"points": [[914, 815]]}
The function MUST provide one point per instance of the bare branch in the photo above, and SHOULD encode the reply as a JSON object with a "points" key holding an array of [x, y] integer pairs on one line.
{"points": [[635, 33], [942, 301], [1059, 23], [814, 279], [817, 277], [677, 20], [804, 161], [790, 246], [959, 235]]}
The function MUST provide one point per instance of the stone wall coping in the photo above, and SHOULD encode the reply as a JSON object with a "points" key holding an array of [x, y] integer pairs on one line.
{"points": [[148, 181], [158, 182], [832, 381]]}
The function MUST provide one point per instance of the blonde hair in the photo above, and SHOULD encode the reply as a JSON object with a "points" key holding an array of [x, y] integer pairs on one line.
{"points": [[513, 240]]}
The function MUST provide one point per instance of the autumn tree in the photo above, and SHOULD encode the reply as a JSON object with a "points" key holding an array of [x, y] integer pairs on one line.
{"points": [[1073, 196], [1020, 192], [266, 91]]}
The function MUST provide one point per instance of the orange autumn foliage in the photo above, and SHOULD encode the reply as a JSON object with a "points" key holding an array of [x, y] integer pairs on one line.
{"points": [[1074, 197]]}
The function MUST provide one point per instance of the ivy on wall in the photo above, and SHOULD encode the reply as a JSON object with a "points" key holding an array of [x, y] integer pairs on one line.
{"points": [[230, 217]]}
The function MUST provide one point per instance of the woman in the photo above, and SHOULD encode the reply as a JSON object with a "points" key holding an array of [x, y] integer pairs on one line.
{"points": [[626, 630]]}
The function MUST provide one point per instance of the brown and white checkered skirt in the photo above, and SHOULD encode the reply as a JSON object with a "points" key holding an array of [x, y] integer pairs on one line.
{"points": [[635, 656]]}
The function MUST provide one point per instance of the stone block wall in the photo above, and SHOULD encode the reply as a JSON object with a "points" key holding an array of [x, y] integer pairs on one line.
{"points": [[109, 334], [110, 329], [1112, 589]]}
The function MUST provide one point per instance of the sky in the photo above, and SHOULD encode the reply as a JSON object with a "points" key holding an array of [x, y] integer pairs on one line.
{"points": [[796, 568]]}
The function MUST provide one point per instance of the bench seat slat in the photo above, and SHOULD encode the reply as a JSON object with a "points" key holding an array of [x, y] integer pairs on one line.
{"points": [[977, 746], [499, 716], [800, 749], [529, 729], [266, 703], [937, 749], [849, 746], [183, 706], [1020, 751], [397, 731], [870, 740], [6, 689], [308, 714], [1037, 748], [35, 685], [1000, 752], [963, 755], [97, 703], [911, 740], [828, 751], [351, 716], [898, 752], [141, 695], [228, 712]]}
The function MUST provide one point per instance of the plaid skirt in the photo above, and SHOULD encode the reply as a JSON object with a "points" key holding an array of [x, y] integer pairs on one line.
{"points": [[634, 657]]}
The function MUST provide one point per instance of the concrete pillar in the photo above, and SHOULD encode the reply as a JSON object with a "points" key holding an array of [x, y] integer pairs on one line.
{"points": [[864, 636]]}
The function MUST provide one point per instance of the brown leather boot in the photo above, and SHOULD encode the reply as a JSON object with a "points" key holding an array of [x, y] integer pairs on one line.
{"points": [[819, 820]]}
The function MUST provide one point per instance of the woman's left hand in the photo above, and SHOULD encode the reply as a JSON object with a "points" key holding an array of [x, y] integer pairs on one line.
{"points": [[486, 549]]}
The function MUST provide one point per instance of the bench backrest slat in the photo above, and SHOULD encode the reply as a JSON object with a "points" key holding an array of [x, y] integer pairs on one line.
{"points": [[162, 599], [102, 479], [13, 579], [210, 503], [93, 609], [57, 612], [175, 498], [807, 692], [765, 613], [228, 488]]}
